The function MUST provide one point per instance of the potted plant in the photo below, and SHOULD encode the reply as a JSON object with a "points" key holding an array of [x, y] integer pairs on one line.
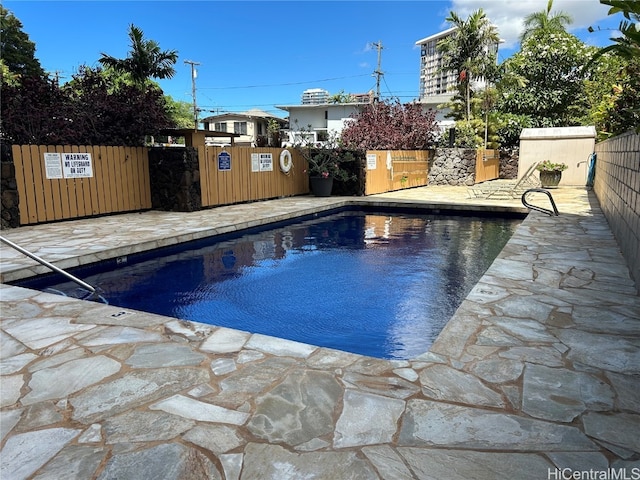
{"points": [[326, 162], [550, 173]]}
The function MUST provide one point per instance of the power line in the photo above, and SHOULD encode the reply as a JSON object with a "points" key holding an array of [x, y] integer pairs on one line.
{"points": [[284, 84]]}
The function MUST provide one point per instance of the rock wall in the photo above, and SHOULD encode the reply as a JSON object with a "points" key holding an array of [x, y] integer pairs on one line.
{"points": [[453, 166], [175, 179], [10, 216], [509, 163]]}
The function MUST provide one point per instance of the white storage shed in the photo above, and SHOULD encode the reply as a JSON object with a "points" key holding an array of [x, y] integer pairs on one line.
{"points": [[570, 145]]}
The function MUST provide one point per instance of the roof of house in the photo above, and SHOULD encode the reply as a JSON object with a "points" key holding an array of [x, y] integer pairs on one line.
{"points": [[187, 131], [253, 113], [321, 105]]}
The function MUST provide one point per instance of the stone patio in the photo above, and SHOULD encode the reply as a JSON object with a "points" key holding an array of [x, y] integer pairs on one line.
{"points": [[537, 374]]}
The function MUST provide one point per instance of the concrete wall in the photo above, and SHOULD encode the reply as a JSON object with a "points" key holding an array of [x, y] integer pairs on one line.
{"points": [[570, 145], [617, 186]]}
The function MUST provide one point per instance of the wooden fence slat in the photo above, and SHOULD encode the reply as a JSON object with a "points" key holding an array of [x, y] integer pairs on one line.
{"points": [[112, 159], [22, 183], [91, 183], [133, 195], [40, 176], [102, 174], [81, 203], [39, 190]]}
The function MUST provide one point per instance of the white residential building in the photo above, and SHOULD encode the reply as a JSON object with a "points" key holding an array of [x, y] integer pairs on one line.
{"points": [[317, 123], [251, 126]]}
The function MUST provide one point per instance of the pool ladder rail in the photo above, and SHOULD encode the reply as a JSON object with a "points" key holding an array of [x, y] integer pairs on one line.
{"points": [[553, 212], [92, 291]]}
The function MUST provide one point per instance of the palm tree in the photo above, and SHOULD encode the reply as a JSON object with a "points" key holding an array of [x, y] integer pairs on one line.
{"points": [[469, 51], [545, 21], [627, 46], [145, 59]]}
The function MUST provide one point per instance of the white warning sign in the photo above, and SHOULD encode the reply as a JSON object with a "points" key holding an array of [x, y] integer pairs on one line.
{"points": [[77, 165]]}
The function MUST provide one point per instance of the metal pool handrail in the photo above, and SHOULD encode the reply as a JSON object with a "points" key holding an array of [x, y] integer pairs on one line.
{"points": [[48, 265], [540, 209]]}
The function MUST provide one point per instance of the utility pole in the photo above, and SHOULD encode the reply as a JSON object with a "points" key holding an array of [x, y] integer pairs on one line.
{"points": [[57, 76], [193, 92], [378, 73]]}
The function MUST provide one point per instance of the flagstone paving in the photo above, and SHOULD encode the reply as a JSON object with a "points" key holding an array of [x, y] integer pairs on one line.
{"points": [[537, 372]]}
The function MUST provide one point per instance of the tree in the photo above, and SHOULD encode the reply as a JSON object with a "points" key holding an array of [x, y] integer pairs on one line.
{"points": [[545, 21], [16, 50], [619, 108], [550, 65], [627, 46], [469, 51], [85, 111], [34, 111], [145, 59], [388, 125], [180, 113]]}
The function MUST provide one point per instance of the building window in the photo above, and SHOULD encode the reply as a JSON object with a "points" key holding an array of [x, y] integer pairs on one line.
{"points": [[240, 127], [220, 126]]}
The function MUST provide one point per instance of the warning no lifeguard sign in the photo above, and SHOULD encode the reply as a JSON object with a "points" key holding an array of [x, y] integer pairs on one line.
{"points": [[68, 165], [77, 165]]}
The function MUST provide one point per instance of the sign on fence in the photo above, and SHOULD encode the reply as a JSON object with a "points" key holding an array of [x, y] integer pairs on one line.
{"points": [[262, 162], [77, 165], [224, 161], [68, 165], [52, 165]]}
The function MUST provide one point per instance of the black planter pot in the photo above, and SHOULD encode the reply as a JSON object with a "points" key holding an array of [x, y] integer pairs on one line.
{"points": [[550, 179], [321, 186]]}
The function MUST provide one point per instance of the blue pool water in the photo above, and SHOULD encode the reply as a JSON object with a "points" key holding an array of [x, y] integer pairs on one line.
{"points": [[378, 284]]}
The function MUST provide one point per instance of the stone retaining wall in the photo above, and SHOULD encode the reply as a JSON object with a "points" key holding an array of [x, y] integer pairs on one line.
{"points": [[509, 163], [617, 186], [453, 166], [175, 179], [10, 217]]}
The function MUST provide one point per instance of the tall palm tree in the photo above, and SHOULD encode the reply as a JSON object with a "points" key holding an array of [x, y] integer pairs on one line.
{"points": [[546, 21], [145, 59], [469, 51]]}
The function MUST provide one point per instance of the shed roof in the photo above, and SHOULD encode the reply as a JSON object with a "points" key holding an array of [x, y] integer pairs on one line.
{"points": [[558, 132]]}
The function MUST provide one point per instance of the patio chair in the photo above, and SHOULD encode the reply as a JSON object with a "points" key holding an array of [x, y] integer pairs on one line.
{"points": [[509, 189]]}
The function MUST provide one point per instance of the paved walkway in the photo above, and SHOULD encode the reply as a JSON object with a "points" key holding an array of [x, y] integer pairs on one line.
{"points": [[538, 371]]}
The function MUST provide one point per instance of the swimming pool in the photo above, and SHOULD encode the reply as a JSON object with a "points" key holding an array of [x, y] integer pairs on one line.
{"points": [[381, 284]]}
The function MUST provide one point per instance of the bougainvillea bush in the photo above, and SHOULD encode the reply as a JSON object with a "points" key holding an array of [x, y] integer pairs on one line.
{"points": [[391, 126]]}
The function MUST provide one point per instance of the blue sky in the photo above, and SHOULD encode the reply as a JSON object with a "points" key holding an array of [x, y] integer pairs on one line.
{"points": [[259, 54]]}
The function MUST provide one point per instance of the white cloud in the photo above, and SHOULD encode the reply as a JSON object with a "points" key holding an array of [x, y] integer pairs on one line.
{"points": [[508, 16]]}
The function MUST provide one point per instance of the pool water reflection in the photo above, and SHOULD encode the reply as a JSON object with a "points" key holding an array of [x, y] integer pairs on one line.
{"points": [[376, 284]]}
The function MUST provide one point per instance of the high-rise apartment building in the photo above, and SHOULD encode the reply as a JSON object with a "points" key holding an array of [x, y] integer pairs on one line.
{"points": [[315, 96], [435, 85]]}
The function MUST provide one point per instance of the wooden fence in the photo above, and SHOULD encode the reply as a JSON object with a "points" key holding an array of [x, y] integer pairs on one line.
{"points": [[54, 184], [487, 165], [248, 174], [65, 182], [388, 170]]}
